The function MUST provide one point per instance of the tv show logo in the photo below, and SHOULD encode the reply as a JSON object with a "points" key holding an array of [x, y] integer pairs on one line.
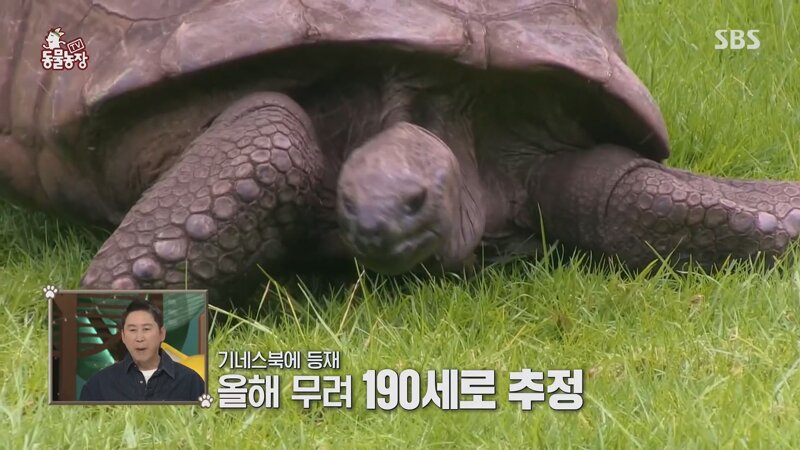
{"points": [[59, 55], [735, 39]]}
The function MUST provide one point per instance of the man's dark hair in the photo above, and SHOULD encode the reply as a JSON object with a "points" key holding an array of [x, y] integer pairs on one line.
{"points": [[141, 305]]}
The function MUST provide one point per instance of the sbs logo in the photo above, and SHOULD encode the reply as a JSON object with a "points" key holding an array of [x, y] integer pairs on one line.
{"points": [[735, 39]]}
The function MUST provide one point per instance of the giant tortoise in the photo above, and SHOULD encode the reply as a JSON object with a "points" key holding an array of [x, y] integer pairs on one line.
{"points": [[220, 135]]}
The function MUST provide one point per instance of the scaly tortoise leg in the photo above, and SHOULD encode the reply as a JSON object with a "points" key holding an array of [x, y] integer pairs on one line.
{"points": [[230, 200], [613, 201]]}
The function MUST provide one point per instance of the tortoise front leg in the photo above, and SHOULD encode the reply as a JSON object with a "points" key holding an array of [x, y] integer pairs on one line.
{"points": [[611, 200], [232, 199]]}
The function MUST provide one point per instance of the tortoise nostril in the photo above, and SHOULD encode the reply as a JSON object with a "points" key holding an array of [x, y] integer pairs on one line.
{"points": [[415, 202]]}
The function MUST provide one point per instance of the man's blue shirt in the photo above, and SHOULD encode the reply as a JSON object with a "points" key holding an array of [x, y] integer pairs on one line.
{"points": [[123, 382]]}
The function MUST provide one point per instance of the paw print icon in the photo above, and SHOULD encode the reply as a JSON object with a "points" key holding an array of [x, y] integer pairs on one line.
{"points": [[205, 400], [50, 292]]}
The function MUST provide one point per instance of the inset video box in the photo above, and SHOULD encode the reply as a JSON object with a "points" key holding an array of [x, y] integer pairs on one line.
{"points": [[128, 347]]}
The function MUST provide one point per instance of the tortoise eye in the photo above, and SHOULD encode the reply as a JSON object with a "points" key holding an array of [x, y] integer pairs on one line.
{"points": [[416, 201], [349, 206]]}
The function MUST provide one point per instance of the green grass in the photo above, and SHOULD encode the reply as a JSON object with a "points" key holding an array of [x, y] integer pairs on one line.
{"points": [[671, 360]]}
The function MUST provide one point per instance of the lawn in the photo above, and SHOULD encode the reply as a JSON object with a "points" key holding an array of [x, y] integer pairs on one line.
{"points": [[670, 359]]}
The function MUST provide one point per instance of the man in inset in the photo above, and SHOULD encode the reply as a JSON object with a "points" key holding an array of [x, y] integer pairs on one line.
{"points": [[146, 373]]}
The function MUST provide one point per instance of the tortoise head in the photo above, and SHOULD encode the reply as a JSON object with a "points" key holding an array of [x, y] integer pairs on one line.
{"points": [[400, 202]]}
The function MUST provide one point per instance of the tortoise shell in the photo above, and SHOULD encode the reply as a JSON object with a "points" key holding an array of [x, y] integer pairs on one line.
{"points": [[135, 46]]}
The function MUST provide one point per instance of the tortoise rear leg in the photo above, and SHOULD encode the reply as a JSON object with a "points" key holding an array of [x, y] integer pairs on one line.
{"points": [[232, 199], [611, 200]]}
